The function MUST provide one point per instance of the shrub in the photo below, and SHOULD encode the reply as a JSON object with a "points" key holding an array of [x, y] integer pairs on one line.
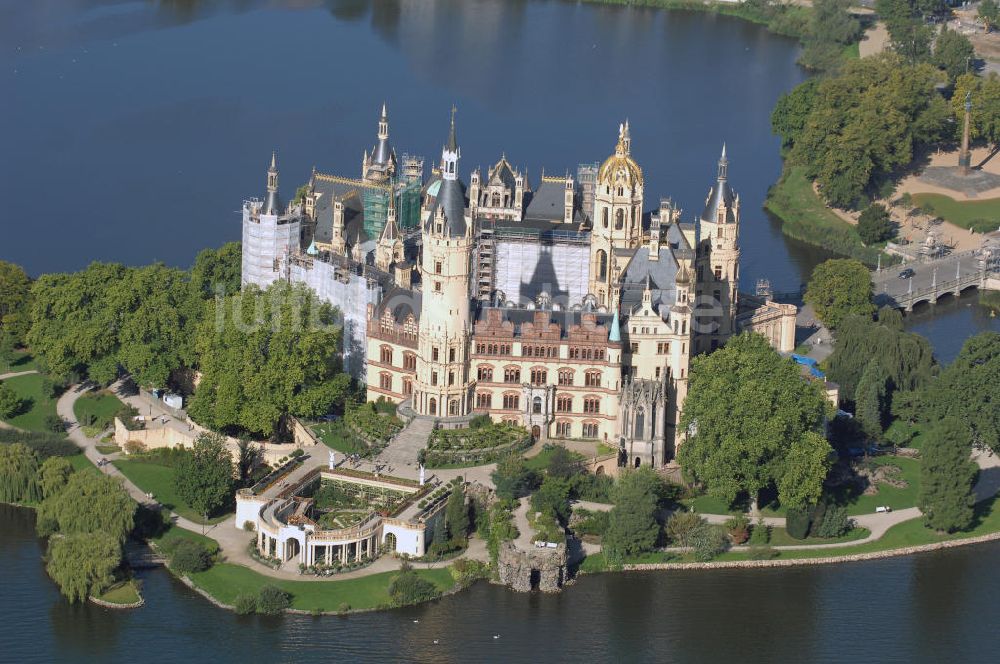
{"points": [[272, 600], [134, 447], [708, 542], [591, 523], [245, 604], [764, 552], [761, 534], [738, 528], [681, 525], [834, 524], [10, 403], [408, 588], [54, 423], [344, 607], [797, 523], [296, 453], [466, 571], [189, 557], [480, 421], [874, 224], [249, 526]]}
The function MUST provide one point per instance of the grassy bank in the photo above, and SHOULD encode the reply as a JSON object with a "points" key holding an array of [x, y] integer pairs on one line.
{"points": [[40, 404], [225, 581], [159, 480], [125, 593], [789, 21], [982, 216], [805, 218]]}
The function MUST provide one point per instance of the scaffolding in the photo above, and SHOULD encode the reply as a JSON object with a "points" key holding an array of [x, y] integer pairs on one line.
{"points": [[376, 204], [586, 176]]}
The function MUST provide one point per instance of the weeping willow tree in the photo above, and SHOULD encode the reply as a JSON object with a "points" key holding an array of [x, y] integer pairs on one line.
{"points": [[89, 503], [83, 564], [18, 474], [53, 475]]}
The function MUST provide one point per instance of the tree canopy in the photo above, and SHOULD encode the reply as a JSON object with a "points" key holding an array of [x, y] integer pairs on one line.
{"points": [[953, 53], [204, 477], [53, 475], [838, 288], [83, 564], [875, 225], [265, 355], [984, 94], [968, 389], [18, 474], [947, 476], [862, 124], [217, 271], [89, 503], [15, 299], [747, 413]]}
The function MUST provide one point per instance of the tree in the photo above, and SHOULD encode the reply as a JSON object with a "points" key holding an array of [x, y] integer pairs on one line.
{"points": [[15, 301], [873, 399], [189, 556], [265, 355], [907, 358], [875, 225], [250, 456], [953, 53], [632, 526], [18, 474], [680, 525], [217, 271], [53, 475], [552, 497], [946, 477], [83, 564], [984, 95], [967, 389], [562, 464], [792, 111], [512, 478], [7, 350], [89, 503], [457, 514], [746, 409], [989, 14], [204, 478], [409, 588], [10, 403], [806, 466], [272, 600], [840, 287]]}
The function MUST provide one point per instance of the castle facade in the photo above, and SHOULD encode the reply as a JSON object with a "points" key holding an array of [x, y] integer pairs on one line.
{"points": [[566, 307]]}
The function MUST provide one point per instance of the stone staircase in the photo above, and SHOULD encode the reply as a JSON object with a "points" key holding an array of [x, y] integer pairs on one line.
{"points": [[402, 451]]}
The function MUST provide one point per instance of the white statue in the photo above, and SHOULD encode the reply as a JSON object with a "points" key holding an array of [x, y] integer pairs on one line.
{"points": [[421, 474], [333, 459]]}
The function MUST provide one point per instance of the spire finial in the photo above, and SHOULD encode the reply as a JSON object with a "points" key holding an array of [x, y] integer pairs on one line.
{"points": [[274, 160], [452, 140], [384, 114], [723, 164]]}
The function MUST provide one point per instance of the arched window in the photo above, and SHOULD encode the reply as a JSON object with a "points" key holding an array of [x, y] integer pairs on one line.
{"points": [[563, 429], [539, 376], [407, 386], [496, 199], [564, 403], [484, 400], [385, 380], [593, 379], [604, 217], [432, 406], [640, 422], [590, 430], [410, 361], [512, 375], [385, 355], [511, 401], [602, 264], [592, 405], [485, 373], [536, 405], [619, 220], [453, 407], [565, 376]]}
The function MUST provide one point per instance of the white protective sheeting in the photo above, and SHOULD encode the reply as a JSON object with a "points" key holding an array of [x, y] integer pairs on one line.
{"points": [[525, 269]]}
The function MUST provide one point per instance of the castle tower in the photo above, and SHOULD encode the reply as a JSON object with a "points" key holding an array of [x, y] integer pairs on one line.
{"points": [[443, 385], [617, 219], [338, 238], [719, 255], [380, 166], [389, 247], [270, 236]]}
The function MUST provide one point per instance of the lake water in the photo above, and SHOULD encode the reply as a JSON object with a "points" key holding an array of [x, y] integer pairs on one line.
{"points": [[132, 130], [929, 608]]}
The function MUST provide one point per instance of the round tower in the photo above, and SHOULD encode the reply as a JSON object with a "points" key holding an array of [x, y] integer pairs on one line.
{"points": [[719, 254], [443, 386]]}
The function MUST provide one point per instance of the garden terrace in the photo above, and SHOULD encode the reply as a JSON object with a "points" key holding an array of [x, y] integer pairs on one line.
{"points": [[472, 447], [373, 427]]}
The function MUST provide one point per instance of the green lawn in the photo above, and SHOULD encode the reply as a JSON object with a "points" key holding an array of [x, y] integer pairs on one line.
{"points": [[123, 593], [805, 218], [173, 534], [707, 504], [159, 480], [225, 581], [780, 537], [81, 462], [41, 405], [541, 460], [23, 361], [963, 213], [895, 498], [97, 407]]}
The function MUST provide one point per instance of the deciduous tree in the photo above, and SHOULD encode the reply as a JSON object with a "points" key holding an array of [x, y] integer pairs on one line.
{"points": [[875, 225], [838, 288], [18, 474], [632, 526], [90, 503], [53, 475], [15, 298], [82, 564], [746, 409], [806, 466], [204, 478]]}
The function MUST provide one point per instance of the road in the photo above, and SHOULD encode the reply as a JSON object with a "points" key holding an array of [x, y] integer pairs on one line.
{"points": [[889, 287]]}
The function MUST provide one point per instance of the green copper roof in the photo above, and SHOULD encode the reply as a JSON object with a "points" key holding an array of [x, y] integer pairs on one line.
{"points": [[616, 332]]}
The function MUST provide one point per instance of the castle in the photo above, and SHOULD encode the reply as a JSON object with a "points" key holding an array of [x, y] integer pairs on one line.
{"points": [[565, 307]]}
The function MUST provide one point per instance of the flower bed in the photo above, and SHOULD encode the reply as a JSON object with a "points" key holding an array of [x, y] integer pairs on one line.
{"points": [[478, 446]]}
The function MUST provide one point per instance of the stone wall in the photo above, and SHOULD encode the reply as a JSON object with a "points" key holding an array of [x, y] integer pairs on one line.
{"points": [[515, 568]]}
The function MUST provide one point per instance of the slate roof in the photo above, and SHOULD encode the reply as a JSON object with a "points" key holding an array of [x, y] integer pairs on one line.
{"points": [[660, 274]]}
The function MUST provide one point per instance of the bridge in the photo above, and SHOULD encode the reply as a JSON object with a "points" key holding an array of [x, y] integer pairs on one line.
{"points": [[932, 279]]}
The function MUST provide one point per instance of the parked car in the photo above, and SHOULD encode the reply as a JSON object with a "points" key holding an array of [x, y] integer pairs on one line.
{"points": [[907, 273], [883, 509]]}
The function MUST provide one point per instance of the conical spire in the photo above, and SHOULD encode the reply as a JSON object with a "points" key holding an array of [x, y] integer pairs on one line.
{"points": [[723, 164], [271, 204], [616, 333], [390, 231]]}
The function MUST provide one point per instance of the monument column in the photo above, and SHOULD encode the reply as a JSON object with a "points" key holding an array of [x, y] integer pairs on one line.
{"points": [[964, 157]]}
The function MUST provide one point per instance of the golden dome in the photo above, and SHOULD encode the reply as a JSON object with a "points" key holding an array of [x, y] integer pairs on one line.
{"points": [[620, 168]]}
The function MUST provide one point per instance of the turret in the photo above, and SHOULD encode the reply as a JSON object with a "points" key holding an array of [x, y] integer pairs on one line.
{"points": [[271, 203]]}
